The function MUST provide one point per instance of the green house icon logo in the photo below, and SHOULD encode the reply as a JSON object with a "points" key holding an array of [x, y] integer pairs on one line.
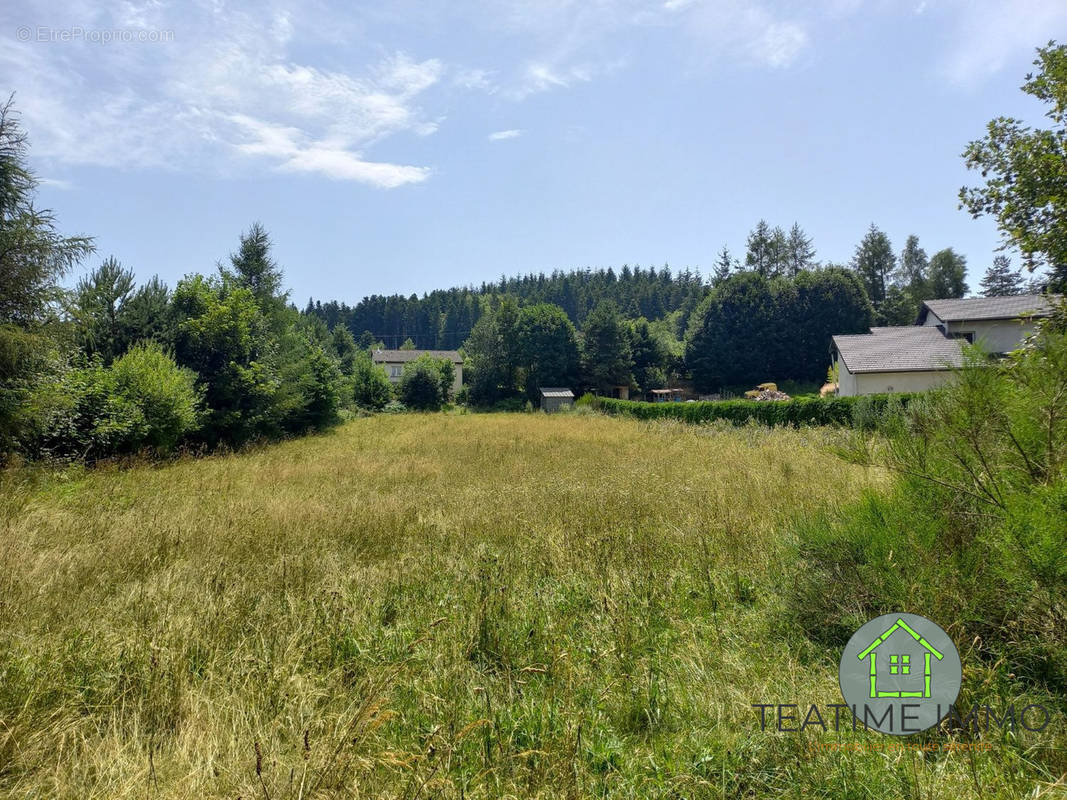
{"points": [[898, 665], [899, 674]]}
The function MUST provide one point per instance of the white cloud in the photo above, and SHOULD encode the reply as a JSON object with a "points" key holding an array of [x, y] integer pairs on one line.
{"points": [[499, 136], [227, 84], [990, 33], [747, 31], [56, 183], [478, 79], [780, 44]]}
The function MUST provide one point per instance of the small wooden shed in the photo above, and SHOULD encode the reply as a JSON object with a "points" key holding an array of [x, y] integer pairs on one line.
{"points": [[555, 398]]}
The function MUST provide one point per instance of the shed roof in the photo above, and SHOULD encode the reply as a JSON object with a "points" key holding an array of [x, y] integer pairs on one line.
{"points": [[971, 309], [901, 349], [552, 391], [403, 356]]}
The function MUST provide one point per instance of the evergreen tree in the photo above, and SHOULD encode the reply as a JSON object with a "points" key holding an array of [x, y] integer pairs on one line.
{"points": [[252, 268], [606, 358], [1001, 280], [947, 274], [899, 307], [547, 348], [492, 354], [34, 256], [344, 347], [98, 299], [368, 341], [778, 250], [758, 255], [724, 265], [650, 356], [146, 316], [874, 263], [911, 269], [729, 340], [800, 252]]}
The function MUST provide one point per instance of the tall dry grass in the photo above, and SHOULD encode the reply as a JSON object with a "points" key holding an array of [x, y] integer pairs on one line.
{"points": [[431, 606]]}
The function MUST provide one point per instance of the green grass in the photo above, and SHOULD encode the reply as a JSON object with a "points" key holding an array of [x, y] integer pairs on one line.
{"points": [[506, 605]]}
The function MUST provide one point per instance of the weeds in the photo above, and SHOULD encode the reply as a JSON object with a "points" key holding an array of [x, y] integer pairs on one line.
{"points": [[447, 606]]}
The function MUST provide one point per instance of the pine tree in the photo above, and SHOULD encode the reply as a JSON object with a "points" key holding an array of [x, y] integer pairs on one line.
{"points": [[98, 298], [1001, 280], [758, 255], [724, 265], [800, 252], [874, 262], [911, 268], [778, 249], [253, 268], [607, 361]]}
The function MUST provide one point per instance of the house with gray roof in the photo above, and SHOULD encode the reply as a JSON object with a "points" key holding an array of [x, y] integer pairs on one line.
{"points": [[394, 361], [921, 356], [996, 324]]}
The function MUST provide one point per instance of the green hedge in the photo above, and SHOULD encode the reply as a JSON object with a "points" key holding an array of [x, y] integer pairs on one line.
{"points": [[859, 411]]}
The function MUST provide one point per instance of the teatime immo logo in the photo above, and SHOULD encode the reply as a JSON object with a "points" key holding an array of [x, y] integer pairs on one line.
{"points": [[900, 673]]}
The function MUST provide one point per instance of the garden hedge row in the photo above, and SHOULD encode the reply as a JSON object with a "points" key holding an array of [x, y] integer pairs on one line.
{"points": [[848, 411]]}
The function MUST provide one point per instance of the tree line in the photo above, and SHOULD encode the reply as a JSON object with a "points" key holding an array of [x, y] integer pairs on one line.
{"points": [[224, 358]]}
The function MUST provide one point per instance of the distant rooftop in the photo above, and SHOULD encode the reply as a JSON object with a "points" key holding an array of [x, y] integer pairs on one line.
{"points": [[555, 391], [901, 349], [971, 309], [403, 356]]}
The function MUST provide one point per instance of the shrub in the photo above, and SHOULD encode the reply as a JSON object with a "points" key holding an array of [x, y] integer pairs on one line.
{"points": [[309, 397], [164, 394], [80, 415], [840, 411], [370, 385], [973, 530], [426, 382]]}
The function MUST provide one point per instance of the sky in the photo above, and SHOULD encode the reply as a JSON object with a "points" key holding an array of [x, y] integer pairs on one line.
{"points": [[405, 146]]}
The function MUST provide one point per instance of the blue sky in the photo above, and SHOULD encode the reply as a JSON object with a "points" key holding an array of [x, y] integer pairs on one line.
{"points": [[407, 146]]}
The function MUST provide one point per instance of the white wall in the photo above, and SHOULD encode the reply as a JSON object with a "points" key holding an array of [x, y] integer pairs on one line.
{"points": [[995, 335], [879, 382], [846, 381]]}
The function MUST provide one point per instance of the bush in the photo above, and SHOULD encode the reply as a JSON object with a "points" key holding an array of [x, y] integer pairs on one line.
{"points": [[144, 400], [972, 533], [309, 396], [842, 411], [80, 415], [164, 394], [426, 383], [370, 385]]}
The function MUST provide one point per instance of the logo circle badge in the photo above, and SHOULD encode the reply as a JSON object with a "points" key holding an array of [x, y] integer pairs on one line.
{"points": [[900, 674]]}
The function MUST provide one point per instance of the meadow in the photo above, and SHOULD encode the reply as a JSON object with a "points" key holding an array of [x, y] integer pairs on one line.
{"points": [[443, 605]]}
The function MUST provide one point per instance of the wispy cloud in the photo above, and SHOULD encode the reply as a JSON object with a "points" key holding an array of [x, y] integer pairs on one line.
{"points": [[230, 86], [755, 32], [989, 33], [499, 136]]}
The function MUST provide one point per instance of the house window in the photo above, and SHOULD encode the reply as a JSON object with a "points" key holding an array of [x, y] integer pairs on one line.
{"points": [[900, 665], [395, 371], [968, 335]]}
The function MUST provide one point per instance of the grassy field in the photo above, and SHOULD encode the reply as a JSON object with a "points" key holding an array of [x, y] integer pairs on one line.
{"points": [[437, 606]]}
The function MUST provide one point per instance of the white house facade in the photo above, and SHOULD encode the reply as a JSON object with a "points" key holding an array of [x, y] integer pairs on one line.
{"points": [[996, 324], [922, 356]]}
